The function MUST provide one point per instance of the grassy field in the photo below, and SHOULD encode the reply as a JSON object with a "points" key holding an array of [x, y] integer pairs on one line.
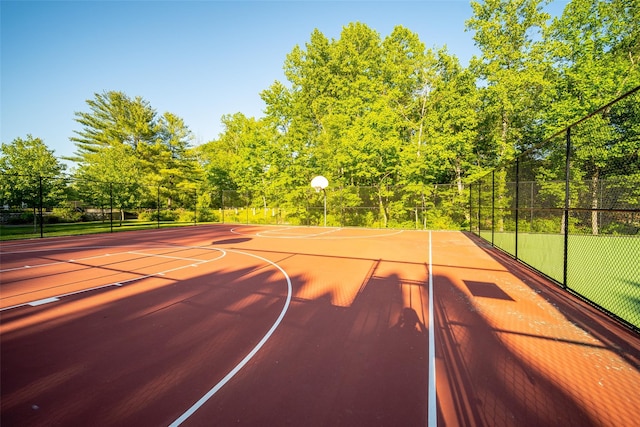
{"points": [[603, 269], [12, 232]]}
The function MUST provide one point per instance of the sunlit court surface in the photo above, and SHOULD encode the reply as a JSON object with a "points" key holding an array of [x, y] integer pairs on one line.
{"points": [[314, 326]]}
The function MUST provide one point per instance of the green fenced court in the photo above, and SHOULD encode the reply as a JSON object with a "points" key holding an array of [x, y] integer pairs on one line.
{"points": [[594, 267], [571, 217]]}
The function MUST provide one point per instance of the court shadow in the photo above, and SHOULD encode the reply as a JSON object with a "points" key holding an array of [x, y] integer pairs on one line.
{"points": [[489, 381], [231, 241], [486, 290], [613, 335]]}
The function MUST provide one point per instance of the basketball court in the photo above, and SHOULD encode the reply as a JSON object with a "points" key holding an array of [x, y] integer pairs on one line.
{"points": [[314, 326]]}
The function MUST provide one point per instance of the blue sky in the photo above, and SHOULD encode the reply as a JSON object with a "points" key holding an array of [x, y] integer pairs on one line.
{"points": [[197, 59]]}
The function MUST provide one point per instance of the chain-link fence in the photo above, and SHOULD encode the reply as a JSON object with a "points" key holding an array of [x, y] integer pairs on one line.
{"points": [[37, 206], [570, 208], [415, 207]]}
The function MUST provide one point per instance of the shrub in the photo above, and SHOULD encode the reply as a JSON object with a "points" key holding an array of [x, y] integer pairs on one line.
{"points": [[64, 214]]}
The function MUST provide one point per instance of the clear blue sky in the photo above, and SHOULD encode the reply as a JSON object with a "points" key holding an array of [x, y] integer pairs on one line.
{"points": [[197, 59]]}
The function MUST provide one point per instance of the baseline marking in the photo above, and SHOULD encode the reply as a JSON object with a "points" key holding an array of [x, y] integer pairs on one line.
{"points": [[119, 284], [43, 301], [208, 395], [432, 404], [314, 236]]}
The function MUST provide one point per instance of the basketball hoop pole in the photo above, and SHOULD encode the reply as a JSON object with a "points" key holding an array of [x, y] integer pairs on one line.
{"points": [[325, 206]]}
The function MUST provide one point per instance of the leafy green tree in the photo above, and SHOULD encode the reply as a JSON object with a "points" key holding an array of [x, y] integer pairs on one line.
{"points": [[512, 69], [455, 103], [113, 119], [595, 47], [110, 176], [169, 161], [349, 111], [242, 158], [31, 174], [160, 145]]}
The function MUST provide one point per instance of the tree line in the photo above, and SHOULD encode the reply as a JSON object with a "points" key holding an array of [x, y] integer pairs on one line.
{"points": [[367, 110]]}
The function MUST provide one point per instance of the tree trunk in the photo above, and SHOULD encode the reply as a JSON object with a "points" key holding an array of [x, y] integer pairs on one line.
{"points": [[458, 170]]}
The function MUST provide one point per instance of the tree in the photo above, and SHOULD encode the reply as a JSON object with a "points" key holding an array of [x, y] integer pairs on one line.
{"points": [[169, 160], [110, 175], [114, 118], [596, 49], [243, 158], [161, 146], [31, 174], [455, 103], [512, 70]]}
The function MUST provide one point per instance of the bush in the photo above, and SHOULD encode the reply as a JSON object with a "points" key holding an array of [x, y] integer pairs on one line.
{"points": [[207, 215], [165, 215], [20, 219], [64, 214]]}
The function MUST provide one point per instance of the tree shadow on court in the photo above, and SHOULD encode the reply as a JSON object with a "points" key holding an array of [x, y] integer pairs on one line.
{"points": [[134, 361], [489, 383], [396, 375], [611, 334], [233, 241], [145, 358], [385, 359]]}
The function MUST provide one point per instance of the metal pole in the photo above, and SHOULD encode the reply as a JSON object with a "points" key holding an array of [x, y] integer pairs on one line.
{"points": [[325, 206], [517, 202], [195, 208], [567, 177], [40, 207], [493, 206], [158, 207], [480, 209], [111, 205], [222, 204], [470, 207]]}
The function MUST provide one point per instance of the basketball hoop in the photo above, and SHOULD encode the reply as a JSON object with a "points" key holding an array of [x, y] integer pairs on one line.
{"points": [[319, 183]]}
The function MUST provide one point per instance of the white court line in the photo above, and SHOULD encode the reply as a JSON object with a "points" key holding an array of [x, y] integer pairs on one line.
{"points": [[166, 256], [43, 301], [72, 261], [278, 230], [296, 235], [432, 404], [300, 236], [208, 395], [120, 283]]}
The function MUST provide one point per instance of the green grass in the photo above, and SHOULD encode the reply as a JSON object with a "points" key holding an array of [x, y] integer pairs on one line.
{"points": [[13, 232], [604, 269]]}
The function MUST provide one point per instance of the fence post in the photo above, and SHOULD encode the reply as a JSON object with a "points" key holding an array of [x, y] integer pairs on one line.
{"points": [[111, 206], [480, 209], [222, 204], [517, 213], [470, 207], [158, 206], [493, 206], [40, 206], [567, 177], [195, 208]]}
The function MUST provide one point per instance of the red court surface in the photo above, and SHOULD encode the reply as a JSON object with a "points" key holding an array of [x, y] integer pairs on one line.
{"points": [[257, 326]]}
